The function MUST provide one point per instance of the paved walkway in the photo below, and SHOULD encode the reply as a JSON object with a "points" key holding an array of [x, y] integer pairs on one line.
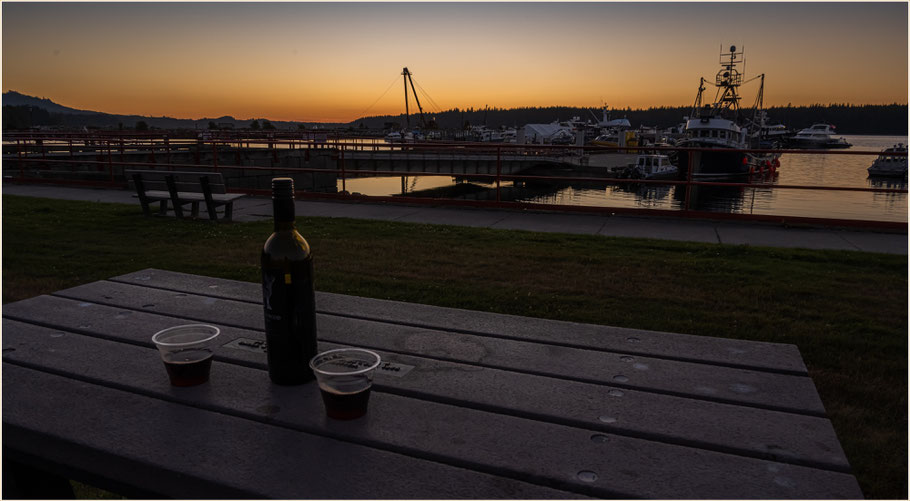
{"points": [[725, 232]]}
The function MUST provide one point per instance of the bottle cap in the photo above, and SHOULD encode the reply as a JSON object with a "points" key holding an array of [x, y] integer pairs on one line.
{"points": [[282, 187]]}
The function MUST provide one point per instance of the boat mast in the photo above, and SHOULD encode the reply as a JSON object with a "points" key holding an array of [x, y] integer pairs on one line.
{"points": [[697, 105], [758, 117], [729, 79]]}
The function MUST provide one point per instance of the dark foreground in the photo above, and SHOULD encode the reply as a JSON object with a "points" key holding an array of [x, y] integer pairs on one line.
{"points": [[846, 311]]}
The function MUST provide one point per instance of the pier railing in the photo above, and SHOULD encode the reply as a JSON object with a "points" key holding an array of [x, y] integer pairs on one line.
{"points": [[99, 158]]}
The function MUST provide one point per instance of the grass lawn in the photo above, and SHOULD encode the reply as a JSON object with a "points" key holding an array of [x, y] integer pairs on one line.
{"points": [[847, 311]]}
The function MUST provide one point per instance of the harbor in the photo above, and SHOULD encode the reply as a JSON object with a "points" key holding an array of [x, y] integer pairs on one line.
{"points": [[809, 184]]}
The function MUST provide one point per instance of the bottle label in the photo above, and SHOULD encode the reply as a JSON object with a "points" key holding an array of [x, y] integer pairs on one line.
{"points": [[289, 304], [273, 296]]}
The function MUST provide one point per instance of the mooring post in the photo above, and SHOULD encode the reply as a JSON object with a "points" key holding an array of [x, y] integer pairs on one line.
{"points": [[344, 185], [498, 172], [110, 159], [692, 156], [19, 157]]}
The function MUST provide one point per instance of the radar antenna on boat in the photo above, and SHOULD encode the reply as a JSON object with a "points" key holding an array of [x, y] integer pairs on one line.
{"points": [[728, 80]]}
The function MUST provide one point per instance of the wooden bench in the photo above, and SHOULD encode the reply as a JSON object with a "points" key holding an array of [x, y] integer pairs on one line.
{"points": [[180, 189]]}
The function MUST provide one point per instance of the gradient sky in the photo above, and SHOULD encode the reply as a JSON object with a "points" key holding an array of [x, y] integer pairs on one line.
{"points": [[332, 61]]}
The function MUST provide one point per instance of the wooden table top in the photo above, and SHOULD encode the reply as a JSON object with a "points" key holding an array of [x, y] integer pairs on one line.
{"points": [[467, 404]]}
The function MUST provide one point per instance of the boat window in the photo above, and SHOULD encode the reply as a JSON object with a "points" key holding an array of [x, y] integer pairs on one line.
{"points": [[641, 161]]}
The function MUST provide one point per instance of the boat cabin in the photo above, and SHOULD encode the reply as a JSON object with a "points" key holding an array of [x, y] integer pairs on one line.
{"points": [[710, 130], [654, 164]]}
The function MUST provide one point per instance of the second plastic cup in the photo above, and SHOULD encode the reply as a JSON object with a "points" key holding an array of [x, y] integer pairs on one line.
{"points": [[345, 377], [187, 352]]}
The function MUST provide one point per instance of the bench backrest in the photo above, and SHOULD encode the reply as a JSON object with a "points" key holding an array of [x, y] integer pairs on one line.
{"points": [[154, 180]]}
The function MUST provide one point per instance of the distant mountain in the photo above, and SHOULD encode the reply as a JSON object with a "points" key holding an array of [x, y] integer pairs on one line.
{"points": [[23, 111], [13, 98]]}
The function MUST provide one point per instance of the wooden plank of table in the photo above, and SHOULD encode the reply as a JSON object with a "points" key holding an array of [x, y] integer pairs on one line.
{"points": [[768, 390], [760, 433], [778, 357], [184, 452], [546, 454]]}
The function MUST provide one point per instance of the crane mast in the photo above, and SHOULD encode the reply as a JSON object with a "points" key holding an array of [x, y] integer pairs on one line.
{"points": [[407, 78]]}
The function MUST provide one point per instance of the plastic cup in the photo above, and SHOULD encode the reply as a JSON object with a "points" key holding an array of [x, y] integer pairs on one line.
{"points": [[187, 351], [345, 376]]}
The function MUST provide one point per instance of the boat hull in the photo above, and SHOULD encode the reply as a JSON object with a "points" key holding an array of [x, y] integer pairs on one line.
{"points": [[817, 145], [888, 170], [724, 163]]}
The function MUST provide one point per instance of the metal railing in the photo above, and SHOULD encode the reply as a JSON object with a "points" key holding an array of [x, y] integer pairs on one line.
{"points": [[110, 152]]}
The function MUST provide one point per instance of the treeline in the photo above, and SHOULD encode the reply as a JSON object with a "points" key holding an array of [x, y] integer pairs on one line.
{"points": [[888, 119]]}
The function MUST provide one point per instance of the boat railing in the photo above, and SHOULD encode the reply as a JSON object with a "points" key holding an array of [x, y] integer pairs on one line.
{"points": [[98, 160]]}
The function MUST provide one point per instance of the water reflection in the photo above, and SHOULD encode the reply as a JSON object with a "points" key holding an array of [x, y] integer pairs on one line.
{"points": [[795, 170], [893, 200]]}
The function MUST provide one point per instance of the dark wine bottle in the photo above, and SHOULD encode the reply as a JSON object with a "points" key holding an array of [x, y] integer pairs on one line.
{"points": [[288, 295]]}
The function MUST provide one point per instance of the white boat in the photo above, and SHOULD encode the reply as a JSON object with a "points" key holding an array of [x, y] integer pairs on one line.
{"points": [[407, 137], [818, 136], [651, 166], [890, 165], [509, 135], [480, 133], [563, 136], [608, 123], [615, 138]]}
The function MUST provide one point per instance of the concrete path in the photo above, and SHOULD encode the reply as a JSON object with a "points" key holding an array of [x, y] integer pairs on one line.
{"points": [[723, 232]]}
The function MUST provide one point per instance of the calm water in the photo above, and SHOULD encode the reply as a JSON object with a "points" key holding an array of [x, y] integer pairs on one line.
{"points": [[796, 169]]}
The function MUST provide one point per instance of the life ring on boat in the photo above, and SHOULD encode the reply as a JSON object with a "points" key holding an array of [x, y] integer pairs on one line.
{"points": [[745, 160]]}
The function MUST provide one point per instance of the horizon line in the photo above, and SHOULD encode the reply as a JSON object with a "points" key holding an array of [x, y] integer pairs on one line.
{"points": [[471, 109]]}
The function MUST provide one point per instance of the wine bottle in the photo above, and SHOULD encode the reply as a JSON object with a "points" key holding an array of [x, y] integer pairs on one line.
{"points": [[288, 295]]}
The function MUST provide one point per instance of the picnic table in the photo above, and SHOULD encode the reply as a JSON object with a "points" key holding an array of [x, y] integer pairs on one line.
{"points": [[466, 404]]}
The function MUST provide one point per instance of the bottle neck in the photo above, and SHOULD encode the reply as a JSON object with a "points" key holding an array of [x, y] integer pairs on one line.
{"points": [[283, 210]]}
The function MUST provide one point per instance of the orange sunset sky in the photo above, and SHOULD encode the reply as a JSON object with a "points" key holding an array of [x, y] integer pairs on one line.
{"points": [[332, 61]]}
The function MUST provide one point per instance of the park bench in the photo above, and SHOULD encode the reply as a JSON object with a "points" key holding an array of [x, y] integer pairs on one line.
{"points": [[180, 189]]}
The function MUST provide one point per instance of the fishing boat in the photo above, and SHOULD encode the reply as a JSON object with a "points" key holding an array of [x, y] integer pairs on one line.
{"points": [[818, 136], [719, 129], [888, 164]]}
